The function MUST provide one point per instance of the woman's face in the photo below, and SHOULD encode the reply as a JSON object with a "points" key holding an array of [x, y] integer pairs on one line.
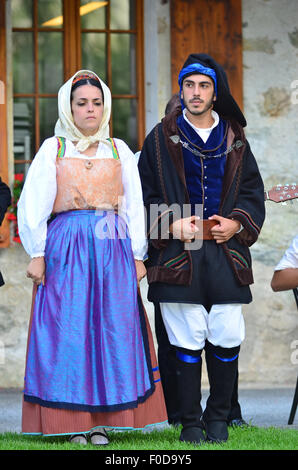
{"points": [[87, 108]]}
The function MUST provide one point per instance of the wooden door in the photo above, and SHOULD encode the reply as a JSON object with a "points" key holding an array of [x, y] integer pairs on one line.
{"points": [[213, 27]]}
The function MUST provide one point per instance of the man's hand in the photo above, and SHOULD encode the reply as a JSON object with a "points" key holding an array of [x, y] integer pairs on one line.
{"points": [[185, 229], [225, 229], [36, 270], [141, 270]]}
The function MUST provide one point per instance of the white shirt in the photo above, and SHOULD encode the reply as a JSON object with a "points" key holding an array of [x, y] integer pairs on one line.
{"points": [[38, 196], [290, 258], [203, 133]]}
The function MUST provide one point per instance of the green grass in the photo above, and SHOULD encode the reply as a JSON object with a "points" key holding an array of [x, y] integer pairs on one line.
{"points": [[251, 438]]}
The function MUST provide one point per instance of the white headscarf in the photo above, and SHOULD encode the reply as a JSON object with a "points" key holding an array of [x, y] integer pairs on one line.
{"points": [[65, 126]]}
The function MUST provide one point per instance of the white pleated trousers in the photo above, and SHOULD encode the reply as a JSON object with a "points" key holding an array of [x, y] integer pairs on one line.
{"points": [[190, 325]]}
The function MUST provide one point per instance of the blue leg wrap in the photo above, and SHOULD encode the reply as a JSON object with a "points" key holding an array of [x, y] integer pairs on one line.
{"points": [[187, 357], [226, 359]]}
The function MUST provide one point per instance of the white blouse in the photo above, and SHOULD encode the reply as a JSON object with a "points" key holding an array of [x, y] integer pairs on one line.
{"points": [[290, 257], [39, 193]]}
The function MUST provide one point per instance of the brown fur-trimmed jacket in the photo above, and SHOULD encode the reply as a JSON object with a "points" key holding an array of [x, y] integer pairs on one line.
{"points": [[161, 168]]}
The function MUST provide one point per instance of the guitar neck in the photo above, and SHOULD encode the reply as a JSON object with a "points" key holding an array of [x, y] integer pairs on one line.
{"points": [[281, 193]]}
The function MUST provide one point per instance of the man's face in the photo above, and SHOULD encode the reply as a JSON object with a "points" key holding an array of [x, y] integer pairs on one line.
{"points": [[198, 94]]}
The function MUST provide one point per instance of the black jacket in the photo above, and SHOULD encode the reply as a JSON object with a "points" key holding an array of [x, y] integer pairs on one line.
{"points": [[161, 168], [5, 201]]}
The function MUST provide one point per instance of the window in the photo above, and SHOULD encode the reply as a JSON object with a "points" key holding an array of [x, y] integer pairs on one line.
{"points": [[37, 75], [110, 47], [52, 39]]}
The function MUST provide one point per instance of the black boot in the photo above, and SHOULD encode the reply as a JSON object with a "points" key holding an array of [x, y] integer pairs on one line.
{"points": [[235, 411], [167, 367], [222, 367], [189, 369], [235, 416]]}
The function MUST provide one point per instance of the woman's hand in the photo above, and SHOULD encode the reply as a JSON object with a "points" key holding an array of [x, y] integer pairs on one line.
{"points": [[141, 270], [36, 270], [185, 229]]}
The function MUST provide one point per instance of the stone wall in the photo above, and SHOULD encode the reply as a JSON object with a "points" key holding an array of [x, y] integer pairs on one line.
{"points": [[270, 68], [270, 56], [15, 305]]}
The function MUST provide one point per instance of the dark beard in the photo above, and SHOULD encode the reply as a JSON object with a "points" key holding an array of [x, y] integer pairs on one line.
{"points": [[208, 106]]}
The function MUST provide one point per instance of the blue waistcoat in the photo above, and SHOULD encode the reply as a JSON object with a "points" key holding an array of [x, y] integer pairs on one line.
{"points": [[204, 176]]}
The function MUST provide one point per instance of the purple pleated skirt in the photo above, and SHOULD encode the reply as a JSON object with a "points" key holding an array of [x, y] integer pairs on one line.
{"points": [[87, 348]]}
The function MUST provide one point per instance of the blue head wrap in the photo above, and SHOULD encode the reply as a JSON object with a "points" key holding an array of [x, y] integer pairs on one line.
{"points": [[197, 68]]}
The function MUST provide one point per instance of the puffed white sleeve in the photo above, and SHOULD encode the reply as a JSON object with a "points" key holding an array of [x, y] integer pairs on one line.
{"points": [[37, 199], [132, 207], [290, 258]]}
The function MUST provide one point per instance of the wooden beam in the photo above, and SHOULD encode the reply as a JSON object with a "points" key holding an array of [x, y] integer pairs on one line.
{"points": [[4, 230], [72, 37], [140, 72]]}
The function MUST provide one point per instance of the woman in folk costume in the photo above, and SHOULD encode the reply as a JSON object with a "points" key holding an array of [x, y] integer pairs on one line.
{"points": [[90, 364]]}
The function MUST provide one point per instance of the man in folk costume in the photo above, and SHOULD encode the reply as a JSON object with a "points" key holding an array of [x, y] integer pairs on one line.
{"points": [[199, 271]]}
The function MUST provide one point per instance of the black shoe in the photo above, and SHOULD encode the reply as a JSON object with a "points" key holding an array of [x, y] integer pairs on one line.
{"points": [[175, 423], [99, 437], [238, 423], [216, 431], [194, 435], [78, 439], [174, 419]]}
